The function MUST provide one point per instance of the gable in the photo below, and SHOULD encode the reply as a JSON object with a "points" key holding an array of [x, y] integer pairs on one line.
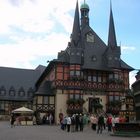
{"points": [[94, 49]]}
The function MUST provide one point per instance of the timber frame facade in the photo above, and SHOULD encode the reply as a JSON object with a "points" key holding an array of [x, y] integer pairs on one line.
{"points": [[88, 75]]}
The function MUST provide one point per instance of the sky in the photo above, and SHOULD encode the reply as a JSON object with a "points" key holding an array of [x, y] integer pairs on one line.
{"points": [[32, 32]]}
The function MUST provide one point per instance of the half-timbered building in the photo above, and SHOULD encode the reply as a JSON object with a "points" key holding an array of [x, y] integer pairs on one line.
{"points": [[17, 88], [87, 75]]}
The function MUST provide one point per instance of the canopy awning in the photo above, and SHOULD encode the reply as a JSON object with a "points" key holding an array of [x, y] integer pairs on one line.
{"points": [[22, 110]]}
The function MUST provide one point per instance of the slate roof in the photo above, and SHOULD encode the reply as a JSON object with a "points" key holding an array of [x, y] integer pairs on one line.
{"points": [[126, 66], [19, 84], [45, 89], [95, 54]]}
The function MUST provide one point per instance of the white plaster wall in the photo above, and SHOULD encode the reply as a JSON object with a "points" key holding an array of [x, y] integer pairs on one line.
{"points": [[60, 105]]}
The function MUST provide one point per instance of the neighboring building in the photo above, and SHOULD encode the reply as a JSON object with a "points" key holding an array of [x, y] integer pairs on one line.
{"points": [[136, 92], [17, 87], [88, 74]]}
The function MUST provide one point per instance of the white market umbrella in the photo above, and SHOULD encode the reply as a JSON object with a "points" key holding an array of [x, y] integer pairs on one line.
{"points": [[22, 110]]}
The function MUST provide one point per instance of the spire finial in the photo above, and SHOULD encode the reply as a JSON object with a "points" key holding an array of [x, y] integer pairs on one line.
{"points": [[112, 35], [76, 25], [110, 5]]}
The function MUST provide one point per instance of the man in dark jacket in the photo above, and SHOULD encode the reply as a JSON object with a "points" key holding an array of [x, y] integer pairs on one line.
{"points": [[100, 124]]}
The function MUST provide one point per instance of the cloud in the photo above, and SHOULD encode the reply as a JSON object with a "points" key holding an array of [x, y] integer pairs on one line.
{"points": [[28, 49], [132, 78], [33, 27], [125, 49]]}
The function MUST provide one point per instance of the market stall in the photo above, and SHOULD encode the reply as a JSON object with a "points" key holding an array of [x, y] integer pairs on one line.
{"points": [[23, 115]]}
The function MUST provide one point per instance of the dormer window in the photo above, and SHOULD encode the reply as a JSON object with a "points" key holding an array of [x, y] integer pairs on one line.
{"points": [[116, 58], [94, 58], [110, 58], [21, 92], [12, 91], [2, 91]]}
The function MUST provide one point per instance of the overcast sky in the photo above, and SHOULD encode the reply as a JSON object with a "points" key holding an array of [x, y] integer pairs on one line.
{"points": [[34, 31]]}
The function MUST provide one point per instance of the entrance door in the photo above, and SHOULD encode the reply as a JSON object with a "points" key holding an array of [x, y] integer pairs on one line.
{"points": [[92, 102]]}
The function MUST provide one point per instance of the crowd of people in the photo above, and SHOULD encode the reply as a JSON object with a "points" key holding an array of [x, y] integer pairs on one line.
{"points": [[77, 122], [47, 119], [74, 122]]}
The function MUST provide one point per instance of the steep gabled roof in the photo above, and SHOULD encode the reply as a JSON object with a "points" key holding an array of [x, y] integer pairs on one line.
{"points": [[45, 89], [75, 37], [126, 66], [112, 35]]}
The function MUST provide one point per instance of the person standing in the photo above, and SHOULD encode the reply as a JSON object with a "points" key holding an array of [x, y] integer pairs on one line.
{"points": [[77, 122], [12, 121], [109, 123], [81, 122], [50, 119], [68, 123], [100, 124], [93, 120], [73, 123], [61, 116]]}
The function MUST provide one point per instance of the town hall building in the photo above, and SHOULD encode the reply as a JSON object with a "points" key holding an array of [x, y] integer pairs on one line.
{"points": [[87, 76]]}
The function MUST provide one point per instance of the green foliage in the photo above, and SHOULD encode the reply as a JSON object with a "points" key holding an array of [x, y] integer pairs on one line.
{"points": [[74, 111], [75, 101], [115, 81], [115, 103], [98, 106]]}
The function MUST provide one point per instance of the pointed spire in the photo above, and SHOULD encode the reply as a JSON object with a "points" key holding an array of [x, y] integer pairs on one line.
{"points": [[111, 36], [76, 26]]}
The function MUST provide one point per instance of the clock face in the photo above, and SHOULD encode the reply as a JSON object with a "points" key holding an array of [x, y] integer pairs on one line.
{"points": [[90, 37]]}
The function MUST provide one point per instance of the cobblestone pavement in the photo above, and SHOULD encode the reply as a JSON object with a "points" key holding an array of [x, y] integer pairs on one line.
{"points": [[44, 132]]}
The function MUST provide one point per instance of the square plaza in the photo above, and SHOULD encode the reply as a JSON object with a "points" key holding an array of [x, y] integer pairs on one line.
{"points": [[46, 132]]}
